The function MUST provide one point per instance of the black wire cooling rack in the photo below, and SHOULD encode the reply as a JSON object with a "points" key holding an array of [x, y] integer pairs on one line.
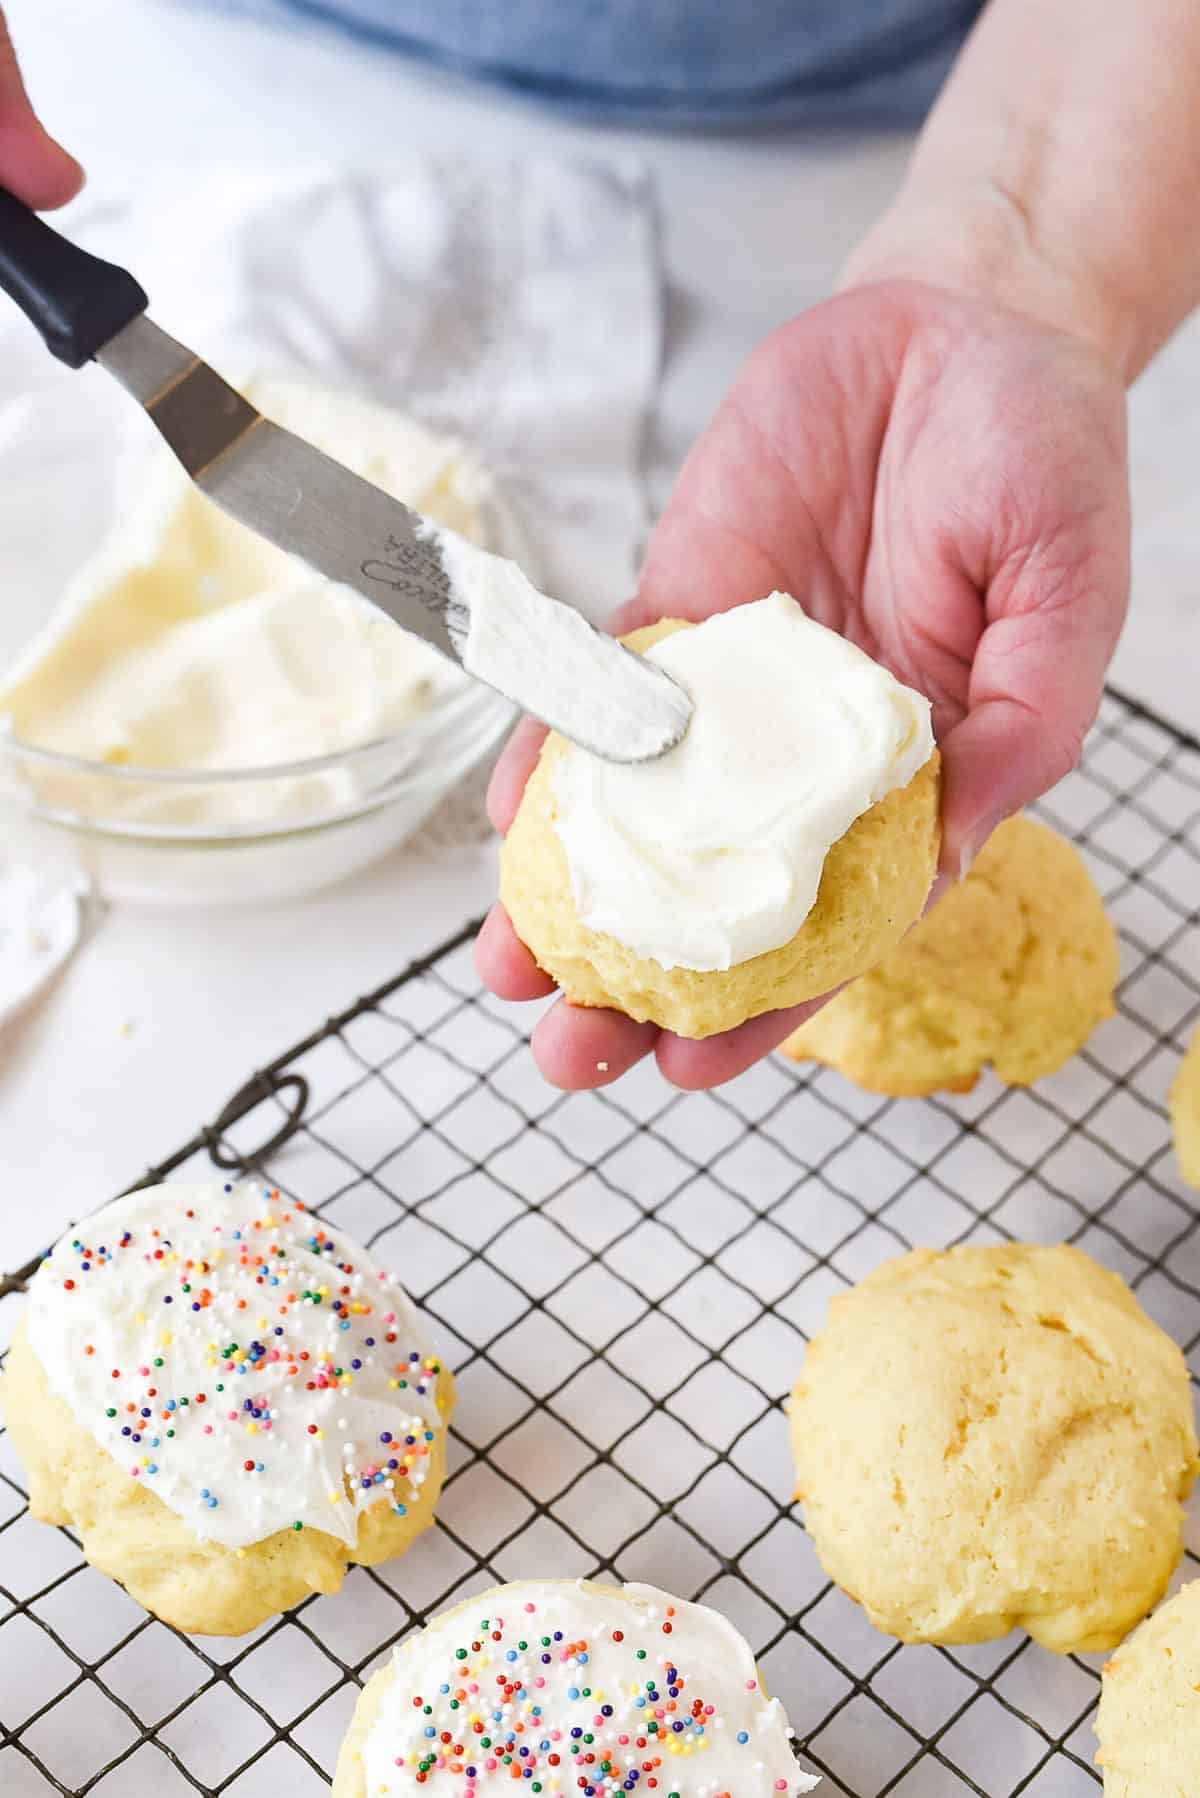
{"points": [[624, 1282]]}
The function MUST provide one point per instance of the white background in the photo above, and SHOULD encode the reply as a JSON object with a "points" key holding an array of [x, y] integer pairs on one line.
{"points": [[161, 1015]]}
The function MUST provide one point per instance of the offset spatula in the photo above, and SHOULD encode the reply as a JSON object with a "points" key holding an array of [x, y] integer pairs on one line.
{"points": [[572, 677]]}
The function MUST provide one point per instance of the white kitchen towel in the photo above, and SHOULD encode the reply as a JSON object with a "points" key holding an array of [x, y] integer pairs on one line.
{"points": [[514, 304]]}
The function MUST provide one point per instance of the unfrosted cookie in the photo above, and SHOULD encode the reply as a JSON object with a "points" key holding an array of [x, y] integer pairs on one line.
{"points": [[1185, 1113], [576, 1689], [875, 881], [1013, 968], [227, 1400], [995, 1438], [1148, 1724]]}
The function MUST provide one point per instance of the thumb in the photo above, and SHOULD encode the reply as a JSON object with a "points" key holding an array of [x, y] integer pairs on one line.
{"points": [[32, 165]]}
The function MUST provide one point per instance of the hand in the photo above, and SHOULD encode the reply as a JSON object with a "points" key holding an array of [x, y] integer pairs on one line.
{"points": [[944, 483], [32, 165]]}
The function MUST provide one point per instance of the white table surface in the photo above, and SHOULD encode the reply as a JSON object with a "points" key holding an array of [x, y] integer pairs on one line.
{"points": [[162, 1014]]}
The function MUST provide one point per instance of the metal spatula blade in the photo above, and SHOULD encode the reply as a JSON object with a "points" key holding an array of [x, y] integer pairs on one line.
{"points": [[610, 701]]}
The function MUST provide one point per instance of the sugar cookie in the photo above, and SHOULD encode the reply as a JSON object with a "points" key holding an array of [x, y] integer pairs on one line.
{"points": [[854, 891], [227, 1400], [1013, 968], [577, 1687], [995, 1438], [1148, 1724], [1185, 1113]]}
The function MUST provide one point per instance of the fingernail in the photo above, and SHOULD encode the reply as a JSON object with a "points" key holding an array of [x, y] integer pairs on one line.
{"points": [[974, 841]]}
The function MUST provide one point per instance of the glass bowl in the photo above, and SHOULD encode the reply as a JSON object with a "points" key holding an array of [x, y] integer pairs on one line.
{"points": [[148, 834], [197, 837]]}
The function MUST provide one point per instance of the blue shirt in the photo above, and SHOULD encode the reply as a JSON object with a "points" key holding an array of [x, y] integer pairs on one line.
{"points": [[691, 62]]}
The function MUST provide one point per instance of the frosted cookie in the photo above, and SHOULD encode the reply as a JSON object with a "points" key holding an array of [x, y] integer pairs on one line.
{"points": [[1185, 1113], [227, 1400], [575, 1688], [785, 845], [995, 1438], [1013, 968], [1148, 1724]]}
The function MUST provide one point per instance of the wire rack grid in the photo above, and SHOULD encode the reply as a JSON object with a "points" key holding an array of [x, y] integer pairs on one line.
{"points": [[624, 1282]]}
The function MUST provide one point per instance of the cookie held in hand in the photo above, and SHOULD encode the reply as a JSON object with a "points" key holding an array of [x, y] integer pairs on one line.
{"points": [[783, 847]]}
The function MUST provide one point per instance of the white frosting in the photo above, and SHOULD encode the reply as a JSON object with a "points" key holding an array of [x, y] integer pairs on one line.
{"points": [[247, 1363], [549, 659], [509, 621], [714, 853], [189, 643], [546, 1675]]}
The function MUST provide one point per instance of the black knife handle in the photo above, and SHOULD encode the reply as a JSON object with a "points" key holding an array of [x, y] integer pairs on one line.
{"points": [[77, 301]]}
